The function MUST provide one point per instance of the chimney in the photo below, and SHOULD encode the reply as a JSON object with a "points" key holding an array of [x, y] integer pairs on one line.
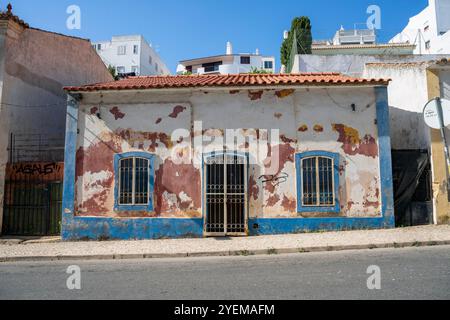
{"points": [[257, 52], [285, 34], [229, 48]]}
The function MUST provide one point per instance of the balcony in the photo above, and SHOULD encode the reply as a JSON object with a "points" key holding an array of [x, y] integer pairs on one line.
{"points": [[355, 37]]}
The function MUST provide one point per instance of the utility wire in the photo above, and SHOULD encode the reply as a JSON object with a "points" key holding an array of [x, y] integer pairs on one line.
{"points": [[33, 106]]}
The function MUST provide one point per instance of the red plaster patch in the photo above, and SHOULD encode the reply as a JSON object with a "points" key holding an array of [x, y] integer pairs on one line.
{"points": [[253, 188], [273, 200], [174, 179], [138, 137], [234, 91], [289, 204], [176, 111], [318, 128], [117, 113], [158, 121], [303, 128], [284, 93], [353, 145], [255, 95], [286, 139], [94, 110], [278, 115]]}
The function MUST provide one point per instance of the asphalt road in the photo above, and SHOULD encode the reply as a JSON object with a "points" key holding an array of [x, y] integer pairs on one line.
{"points": [[413, 273]]}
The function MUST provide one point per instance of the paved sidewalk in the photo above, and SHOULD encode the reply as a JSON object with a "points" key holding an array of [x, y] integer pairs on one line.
{"points": [[309, 242]]}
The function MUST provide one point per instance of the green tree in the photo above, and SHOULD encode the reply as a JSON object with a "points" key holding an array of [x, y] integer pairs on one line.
{"points": [[255, 70], [112, 70], [301, 32]]}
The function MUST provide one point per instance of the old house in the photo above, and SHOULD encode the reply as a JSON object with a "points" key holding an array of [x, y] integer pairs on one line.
{"points": [[215, 155], [34, 66]]}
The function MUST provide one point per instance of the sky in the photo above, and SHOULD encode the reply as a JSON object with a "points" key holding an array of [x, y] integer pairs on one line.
{"points": [[185, 29]]}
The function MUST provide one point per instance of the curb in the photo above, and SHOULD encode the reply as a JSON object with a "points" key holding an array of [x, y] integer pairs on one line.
{"points": [[241, 253]]}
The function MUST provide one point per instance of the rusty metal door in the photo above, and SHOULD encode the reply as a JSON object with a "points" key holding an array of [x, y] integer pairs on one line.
{"points": [[226, 195], [33, 199]]}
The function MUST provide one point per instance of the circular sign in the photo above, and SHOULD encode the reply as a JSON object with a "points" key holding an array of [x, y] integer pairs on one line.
{"points": [[431, 113]]}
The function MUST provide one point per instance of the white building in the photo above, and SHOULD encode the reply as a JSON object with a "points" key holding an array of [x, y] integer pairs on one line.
{"points": [[131, 54], [429, 30], [356, 36], [228, 63], [359, 42]]}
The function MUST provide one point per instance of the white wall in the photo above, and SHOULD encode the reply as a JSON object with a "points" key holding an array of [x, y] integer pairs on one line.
{"points": [[110, 56], [407, 97], [434, 25]]}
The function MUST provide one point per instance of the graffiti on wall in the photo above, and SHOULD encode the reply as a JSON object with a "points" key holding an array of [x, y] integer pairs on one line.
{"points": [[36, 170]]}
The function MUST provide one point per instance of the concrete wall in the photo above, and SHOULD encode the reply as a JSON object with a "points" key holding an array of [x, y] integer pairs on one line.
{"points": [[407, 98], [36, 66], [307, 119], [353, 65]]}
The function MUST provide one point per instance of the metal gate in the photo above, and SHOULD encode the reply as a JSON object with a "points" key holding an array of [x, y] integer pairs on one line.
{"points": [[33, 199], [226, 195]]}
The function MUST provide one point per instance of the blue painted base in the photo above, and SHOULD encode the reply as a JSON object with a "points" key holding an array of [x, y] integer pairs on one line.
{"points": [[304, 225], [84, 228]]}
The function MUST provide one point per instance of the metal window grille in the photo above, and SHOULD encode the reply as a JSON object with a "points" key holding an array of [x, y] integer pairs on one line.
{"points": [[133, 181], [318, 182], [226, 196]]}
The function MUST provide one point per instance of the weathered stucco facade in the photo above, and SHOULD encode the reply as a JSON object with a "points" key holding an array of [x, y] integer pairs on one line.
{"points": [[349, 121], [34, 66], [412, 86]]}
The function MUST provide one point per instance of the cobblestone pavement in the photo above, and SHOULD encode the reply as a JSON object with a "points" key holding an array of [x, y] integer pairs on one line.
{"points": [[327, 241]]}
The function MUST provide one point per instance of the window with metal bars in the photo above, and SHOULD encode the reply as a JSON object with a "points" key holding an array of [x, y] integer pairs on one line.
{"points": [[318, 182], [134, 182]]}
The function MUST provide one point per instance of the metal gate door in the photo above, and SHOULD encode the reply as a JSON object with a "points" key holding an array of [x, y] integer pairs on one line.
{"points": [[226, 195], [32, 209]]}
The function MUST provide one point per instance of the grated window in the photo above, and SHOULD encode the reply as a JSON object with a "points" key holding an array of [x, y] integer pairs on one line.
{"points": [[134, 181], [318, 182]]}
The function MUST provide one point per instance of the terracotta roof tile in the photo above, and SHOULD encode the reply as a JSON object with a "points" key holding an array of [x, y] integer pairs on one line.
{"points": [[244, 80], [8, 15]]}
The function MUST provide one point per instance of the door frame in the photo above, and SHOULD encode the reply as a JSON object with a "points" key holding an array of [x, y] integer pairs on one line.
{"points": [[244, 155]]}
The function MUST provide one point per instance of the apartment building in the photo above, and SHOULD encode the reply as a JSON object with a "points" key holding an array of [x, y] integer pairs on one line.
{"points": [[131, 54], [228, 63]]}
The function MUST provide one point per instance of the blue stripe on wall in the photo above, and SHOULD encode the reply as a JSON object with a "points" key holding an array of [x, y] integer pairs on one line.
{"points": [[384, 142], [85, 228]]}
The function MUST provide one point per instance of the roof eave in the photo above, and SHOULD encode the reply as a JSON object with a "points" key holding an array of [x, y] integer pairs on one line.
{"points": [[384, 83]]}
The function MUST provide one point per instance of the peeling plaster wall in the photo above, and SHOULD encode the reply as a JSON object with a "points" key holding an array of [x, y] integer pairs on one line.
{"points": [[34, 67], [315, 119], [407, 98]]}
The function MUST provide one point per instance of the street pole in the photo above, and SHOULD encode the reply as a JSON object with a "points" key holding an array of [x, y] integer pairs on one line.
{"points": [[444, 139]]}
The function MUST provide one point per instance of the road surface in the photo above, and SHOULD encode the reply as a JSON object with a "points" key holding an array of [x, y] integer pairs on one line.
{"points": [[413, 273]]}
